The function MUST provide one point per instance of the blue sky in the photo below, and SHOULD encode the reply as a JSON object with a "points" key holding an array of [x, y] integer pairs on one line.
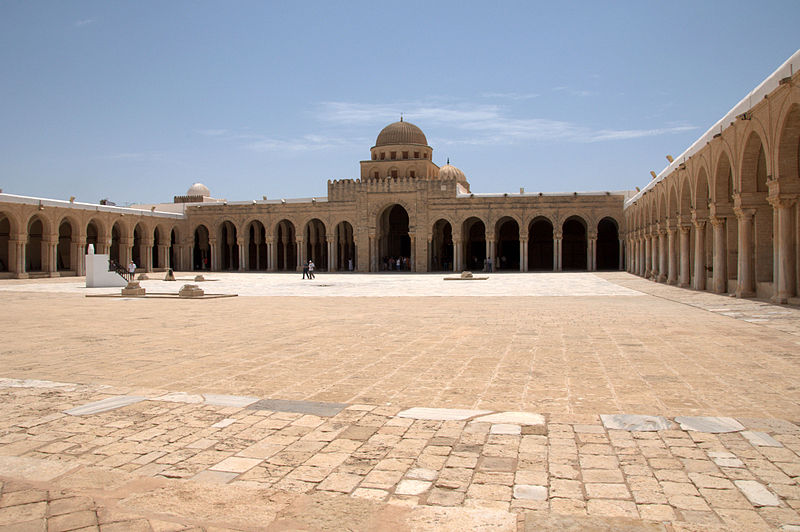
{"points": [[135, 101]]}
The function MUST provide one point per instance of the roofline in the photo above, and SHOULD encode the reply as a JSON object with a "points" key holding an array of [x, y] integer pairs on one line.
{"points": [[752, 99], [45, 202]]}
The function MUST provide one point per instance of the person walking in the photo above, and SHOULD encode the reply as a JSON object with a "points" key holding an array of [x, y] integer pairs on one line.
{"points": [[131, 269], [310, 269], [305, 270]]}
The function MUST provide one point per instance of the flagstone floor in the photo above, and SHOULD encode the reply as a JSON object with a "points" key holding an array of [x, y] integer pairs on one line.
{"points": [[387, 410]]}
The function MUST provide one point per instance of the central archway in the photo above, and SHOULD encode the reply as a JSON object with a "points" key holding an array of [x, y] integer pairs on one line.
{"points": [[393, 241], [474, 231], [286, 253], [201, 251], [442, 246], [607, 245], [316, 243], [574, 244], [540, 245], [507, 231]]}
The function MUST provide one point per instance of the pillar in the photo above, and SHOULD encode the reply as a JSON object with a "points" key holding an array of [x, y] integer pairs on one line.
{"points": [[720, 273], [672, 256], [242, 255], [683, 281], [215, 254], [662, 255], [622, 263], [78, 256], [745, 287], [457, 252], [373, 253], [523, 258], [301, 254], [648, 255], [557, 236], [17, 258], [700, 255], [333, 253], [412, 260], [784, 244], [591, 253]]}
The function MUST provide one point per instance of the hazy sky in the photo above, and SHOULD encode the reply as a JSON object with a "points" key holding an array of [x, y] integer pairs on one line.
{"points": [[135, 101]]}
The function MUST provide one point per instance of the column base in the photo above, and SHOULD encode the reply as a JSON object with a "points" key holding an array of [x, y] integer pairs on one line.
{"points": [[672, 282], [683, 285], [779, 299], [54, 274], [745, 293], [23, 275], [662, 278]]}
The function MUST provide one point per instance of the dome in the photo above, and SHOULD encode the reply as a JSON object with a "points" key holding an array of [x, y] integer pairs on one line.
{"points": [[199, 189], [449, 171], [401, 133]]}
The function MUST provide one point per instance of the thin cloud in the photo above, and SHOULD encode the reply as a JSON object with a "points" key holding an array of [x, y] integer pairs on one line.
{"points": [[84, 22], [515, 96], [301, 144], [486, 124], [573, 92]]}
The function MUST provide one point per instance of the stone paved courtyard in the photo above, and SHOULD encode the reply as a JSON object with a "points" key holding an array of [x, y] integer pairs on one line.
{"points": [[387, 406]]}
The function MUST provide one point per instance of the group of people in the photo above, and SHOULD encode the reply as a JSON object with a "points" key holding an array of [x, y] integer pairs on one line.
{"points": [[395, 263], [308, 269]]}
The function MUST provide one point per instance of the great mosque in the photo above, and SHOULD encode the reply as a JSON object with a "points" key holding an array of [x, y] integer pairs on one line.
{"points": [[723, 216]]}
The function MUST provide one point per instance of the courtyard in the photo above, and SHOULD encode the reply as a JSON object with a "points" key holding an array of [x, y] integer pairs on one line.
{"points": [[360, 401]]}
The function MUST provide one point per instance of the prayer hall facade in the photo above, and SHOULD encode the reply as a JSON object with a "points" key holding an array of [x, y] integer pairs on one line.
{"points": [[723, 216]]}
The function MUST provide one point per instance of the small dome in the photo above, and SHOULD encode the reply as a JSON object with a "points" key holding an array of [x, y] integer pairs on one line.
{"points": [[401, 133], [199, 189], [449, 171]]}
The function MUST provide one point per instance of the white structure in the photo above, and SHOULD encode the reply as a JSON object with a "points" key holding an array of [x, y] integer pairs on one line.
{"points": [[97, 274]]}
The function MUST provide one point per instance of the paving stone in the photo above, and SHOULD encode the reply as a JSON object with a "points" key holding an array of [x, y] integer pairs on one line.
{"points": [[420, 473], [235, 464], [513, 418], [217, 477], [505, 428], [712, 425], [301, 407], [104, 405], [180, 397], [412, 487], [761, 439], [340, 482], [238, 401], [756, 493], [441, 414], [530, 492], [725, 459], [635, 423]]}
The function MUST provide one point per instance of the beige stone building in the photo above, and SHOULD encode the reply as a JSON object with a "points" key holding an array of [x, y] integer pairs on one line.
{"points": [[722, 216]]}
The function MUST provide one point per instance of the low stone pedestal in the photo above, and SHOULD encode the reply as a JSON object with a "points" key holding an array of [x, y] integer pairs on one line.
{"points": [[133, 290], [466, 275], [143, 277], [199, 278], [170, 275], [191, 290]]}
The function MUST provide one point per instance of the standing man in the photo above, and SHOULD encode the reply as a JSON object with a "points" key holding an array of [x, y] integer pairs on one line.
{"points": [[131, 269], [310, 269], [306, 273]]}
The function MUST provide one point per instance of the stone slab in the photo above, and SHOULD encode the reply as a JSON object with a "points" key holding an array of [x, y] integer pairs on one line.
{"points": [[240, 401], [761, 439], [441, 414], [516, 418], [712, 425], [33, 469], [756, 493], [180, 397], [299, 407], [104, 405], [635, 422], [505, 428], [530, 492]]}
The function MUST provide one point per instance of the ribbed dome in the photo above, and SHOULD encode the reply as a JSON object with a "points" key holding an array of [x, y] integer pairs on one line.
{"points": [[199, 189], [449, 171], [401, 133]]}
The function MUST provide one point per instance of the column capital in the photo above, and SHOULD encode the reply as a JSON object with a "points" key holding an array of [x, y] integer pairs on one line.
{"points": [[717, 221], [685, 228], [782, 201], [744, 213], [557, 235], [240, 241]]}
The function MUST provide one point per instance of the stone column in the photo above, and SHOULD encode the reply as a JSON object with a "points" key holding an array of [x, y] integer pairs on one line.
{"points": [[622, 265], [634, 255], [683, 281], [146, 252], [457, 252], [163, 255], [523, 259], [333, 253], [413, 259], [270, 255], [672, 256], [78, 256], [373, 253], [242, 255], [214, 263], [301, 255], [785, 263], [745, 285], [648, 255], [17, 258], [591, 253], [720, 273], [662, 255], [699, 254], [642, 254], [557, 237]]}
